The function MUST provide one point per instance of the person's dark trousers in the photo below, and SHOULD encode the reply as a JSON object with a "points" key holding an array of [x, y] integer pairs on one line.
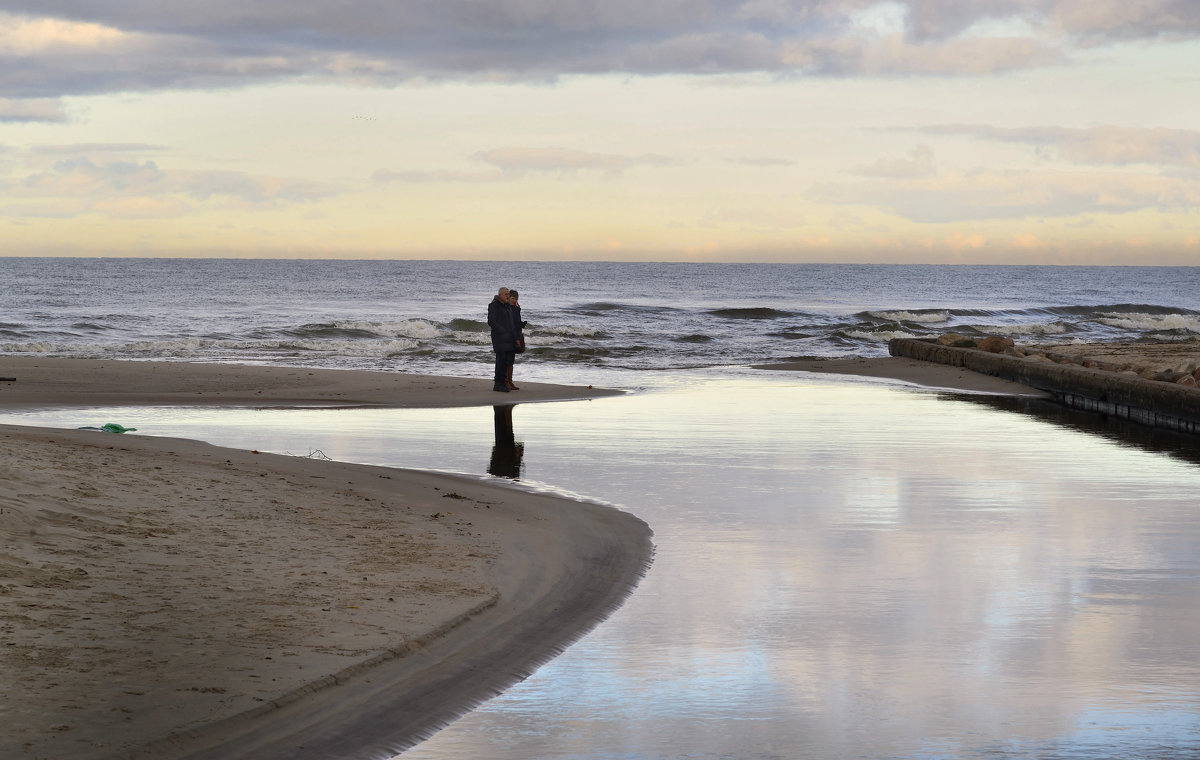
{"points": [[504, 360]]}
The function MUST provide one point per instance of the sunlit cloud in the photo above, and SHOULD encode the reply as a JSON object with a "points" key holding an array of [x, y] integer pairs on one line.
{"points": [[429, 177], [32, 35], [88, 148], [896, 55], [956, 196], [142, 185], [1103, 145], [763, 161], [32, 110], [919, 163], [559, 161]]}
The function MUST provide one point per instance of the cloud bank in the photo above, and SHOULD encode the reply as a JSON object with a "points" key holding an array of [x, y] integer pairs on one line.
{"points": [[1101, 145], [54, 48]]}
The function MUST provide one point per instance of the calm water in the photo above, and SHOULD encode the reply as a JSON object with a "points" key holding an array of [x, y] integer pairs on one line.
{"points": [[843, 570]]}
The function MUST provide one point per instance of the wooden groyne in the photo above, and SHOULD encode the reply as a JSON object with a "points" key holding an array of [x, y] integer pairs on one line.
{"points": [[1158, 404]]}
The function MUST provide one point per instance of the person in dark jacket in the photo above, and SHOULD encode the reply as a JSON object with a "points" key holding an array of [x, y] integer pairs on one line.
{"points": [[519, 329], [504, 338]]}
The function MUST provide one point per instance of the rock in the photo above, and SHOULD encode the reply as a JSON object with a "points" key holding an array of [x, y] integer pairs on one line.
{"points": [[994, 344], [955, 340], [1188, 380]]}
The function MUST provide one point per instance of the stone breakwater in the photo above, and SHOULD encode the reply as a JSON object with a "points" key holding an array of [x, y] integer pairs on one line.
{"points": [[1177, 362], [1152, 383]]}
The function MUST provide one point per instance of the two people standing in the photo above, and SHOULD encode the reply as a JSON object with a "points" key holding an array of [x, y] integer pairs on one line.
{"points": [[508, 338]]}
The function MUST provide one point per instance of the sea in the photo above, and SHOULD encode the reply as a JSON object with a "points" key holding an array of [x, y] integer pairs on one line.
{"points": [[843, 567], [430, 316]]}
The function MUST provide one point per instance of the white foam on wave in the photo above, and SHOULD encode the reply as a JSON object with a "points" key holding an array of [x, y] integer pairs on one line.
{"points": [[341, 347], [420, 329], [49, 347], [1146, 322], [170, 347], [1038, 328], [472, 338], [881, 336], [929, 318]]}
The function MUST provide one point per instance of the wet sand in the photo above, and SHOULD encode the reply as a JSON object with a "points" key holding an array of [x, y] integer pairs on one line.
{"points": [[167, 598], [42, 382], [927, 374]]}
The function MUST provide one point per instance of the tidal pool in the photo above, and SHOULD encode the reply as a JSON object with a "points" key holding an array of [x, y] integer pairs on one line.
{"points": [[842, 570]]}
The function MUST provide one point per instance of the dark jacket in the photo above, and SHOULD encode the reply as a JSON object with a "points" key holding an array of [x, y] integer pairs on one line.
{"points": [[500, 319], [518, 325]]}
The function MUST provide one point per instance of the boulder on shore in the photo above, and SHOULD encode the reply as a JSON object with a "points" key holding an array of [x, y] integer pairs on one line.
{"points": [[956, 340], [995, 344]]}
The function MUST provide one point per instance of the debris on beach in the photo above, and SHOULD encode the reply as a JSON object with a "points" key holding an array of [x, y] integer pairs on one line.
{"points": [[111, 427]]}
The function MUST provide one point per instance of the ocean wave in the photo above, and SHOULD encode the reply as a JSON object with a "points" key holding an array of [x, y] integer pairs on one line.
{"points": [[873, 336], [566, 331], [1172, 321], [418, 329], [331, 330], [750, 313], [342, 347], [51, 347], [609, 309], [1119, 308], [1037, 328], [471, 338], [587, 354], [920, 316], [599, 306], [694, 338], [468, 325], [91, 327]]}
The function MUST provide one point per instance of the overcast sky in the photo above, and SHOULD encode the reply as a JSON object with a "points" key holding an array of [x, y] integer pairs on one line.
{"points": [[1044, 131]]}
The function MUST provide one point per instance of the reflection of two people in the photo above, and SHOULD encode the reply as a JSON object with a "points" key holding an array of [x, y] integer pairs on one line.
{"points": [[507, 451]]}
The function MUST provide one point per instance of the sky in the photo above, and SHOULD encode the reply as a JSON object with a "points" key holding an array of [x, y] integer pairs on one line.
{"points": [[906, 131]]}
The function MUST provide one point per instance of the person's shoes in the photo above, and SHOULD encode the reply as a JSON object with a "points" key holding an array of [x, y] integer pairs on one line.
{"points": [[509, 384], [500, 388]]}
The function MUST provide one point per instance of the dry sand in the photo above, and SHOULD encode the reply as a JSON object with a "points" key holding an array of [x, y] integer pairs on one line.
{"points": [[167, 598]]}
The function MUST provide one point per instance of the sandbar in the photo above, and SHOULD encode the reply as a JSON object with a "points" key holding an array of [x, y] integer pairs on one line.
{"points": [[168, 598], [58, 382], [913, 371]]}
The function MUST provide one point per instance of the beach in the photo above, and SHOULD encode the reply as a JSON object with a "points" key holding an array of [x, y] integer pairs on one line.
{"points": [[168, 598]]}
